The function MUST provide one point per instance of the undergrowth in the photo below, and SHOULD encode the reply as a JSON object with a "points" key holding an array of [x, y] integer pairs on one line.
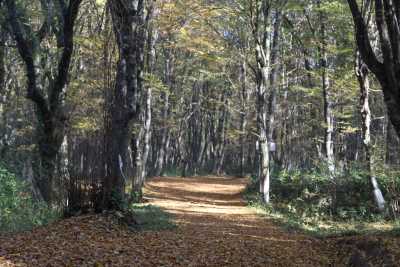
{"points": [[300, 201], [18, 210]]}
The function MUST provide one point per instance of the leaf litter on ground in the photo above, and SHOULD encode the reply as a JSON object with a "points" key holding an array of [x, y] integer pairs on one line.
{"points": [[214, 227]]}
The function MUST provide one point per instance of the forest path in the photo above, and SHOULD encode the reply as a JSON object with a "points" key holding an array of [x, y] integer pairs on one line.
{"points": [[215, 228]]}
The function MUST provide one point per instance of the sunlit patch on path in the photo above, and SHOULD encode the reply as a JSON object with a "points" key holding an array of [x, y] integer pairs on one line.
{"points": [[220, 230]]}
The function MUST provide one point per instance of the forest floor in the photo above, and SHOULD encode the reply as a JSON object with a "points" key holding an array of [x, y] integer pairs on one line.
{"points": [[214, 228]]}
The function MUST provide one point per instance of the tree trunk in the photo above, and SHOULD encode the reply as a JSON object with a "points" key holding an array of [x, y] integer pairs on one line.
{"points": [[164, 139], [272, 105], [387, 72], [221, 134], [147, 134], [387, 69], [49, 110], [164, 136], [3, 93], [327, 96], [136, 193], [266, 56], [127, 16], [392, 146], [264, 167], [243, 115], [362, 76]]}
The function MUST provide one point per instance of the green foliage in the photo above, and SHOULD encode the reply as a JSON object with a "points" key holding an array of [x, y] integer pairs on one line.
{"points": [[307, 194], [151, 218], [18, 210], [301, 200]]}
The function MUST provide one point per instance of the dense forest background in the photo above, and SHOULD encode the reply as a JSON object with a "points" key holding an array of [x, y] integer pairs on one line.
{"points": [[97, 96]]}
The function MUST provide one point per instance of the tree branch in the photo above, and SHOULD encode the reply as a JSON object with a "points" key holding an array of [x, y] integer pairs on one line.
{"points": [[45, 28], [26, 50], [68, 45], [363, 41], [388, 56], [392, 29]]}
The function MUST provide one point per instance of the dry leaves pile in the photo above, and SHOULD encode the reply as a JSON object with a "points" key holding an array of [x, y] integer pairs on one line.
{"points": [[215, 228]]}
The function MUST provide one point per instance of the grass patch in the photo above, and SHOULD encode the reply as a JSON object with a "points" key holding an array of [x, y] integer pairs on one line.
{"points": [[152, 218]]}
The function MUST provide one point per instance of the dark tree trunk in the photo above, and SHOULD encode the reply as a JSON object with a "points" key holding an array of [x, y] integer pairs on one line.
{"points": [[392, 145], [117, 149], [49, 110], [387, 70], [128, 16]]}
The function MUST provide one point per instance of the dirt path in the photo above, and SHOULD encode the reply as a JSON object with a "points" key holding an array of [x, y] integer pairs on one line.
{"points": [[215, 228]]}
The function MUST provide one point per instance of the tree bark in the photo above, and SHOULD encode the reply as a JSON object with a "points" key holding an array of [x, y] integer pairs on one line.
{"points": [[143, 142], [243, 115], [165, 134], [392, 146], [221, 135], [266, 57], [3, 91], [387, 69], [328, 101], [128, 18], [362, 76], [49, 110]]}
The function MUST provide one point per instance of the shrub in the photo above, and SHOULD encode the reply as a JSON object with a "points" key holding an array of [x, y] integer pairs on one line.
{"points": [[301, 200], [307, 193], [18, 210]]}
